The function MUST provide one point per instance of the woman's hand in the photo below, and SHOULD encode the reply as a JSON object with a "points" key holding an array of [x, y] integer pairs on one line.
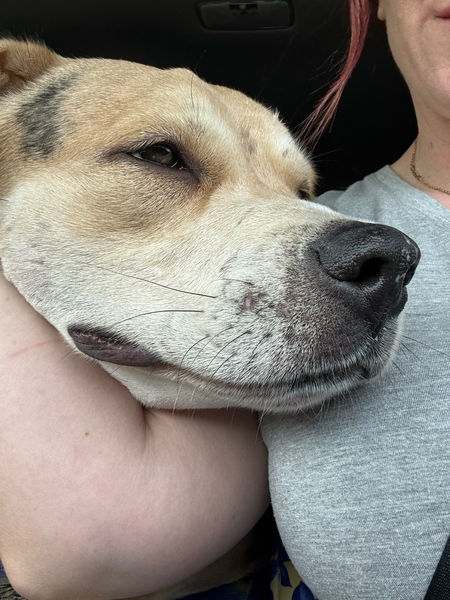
{"points": [[99, 496]]}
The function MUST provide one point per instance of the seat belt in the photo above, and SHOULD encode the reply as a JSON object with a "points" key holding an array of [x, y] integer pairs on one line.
{"points": [[439, 588]]}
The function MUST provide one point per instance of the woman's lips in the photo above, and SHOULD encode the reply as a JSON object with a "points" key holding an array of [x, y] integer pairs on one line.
{"points": [[444, 13]]}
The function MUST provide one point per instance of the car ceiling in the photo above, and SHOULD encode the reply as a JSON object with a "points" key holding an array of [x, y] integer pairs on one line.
{"points": [[286, 67]]}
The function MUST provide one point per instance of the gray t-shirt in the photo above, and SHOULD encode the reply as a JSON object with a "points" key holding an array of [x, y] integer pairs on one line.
{"points": [[361, 491]]}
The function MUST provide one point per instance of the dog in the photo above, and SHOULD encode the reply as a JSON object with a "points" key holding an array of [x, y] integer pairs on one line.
{"points": [[165, 227]]}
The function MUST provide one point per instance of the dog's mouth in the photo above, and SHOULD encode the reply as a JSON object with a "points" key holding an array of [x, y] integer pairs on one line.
{"points": [[306, 388], [107, 347], [302, 389]]}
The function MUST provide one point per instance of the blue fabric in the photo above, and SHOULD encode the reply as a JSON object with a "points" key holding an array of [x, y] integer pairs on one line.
{"points": [[2, 571], [280, 581]]}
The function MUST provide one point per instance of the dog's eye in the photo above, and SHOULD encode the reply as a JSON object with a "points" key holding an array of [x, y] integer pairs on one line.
{"points": [[304, 194], [161, 154]]}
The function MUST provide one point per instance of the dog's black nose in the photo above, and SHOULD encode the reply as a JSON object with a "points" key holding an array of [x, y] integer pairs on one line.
{"points": [[371, 266]]}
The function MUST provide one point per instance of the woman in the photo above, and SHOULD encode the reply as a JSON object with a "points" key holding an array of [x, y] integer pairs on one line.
{"points": [[361, 491]]}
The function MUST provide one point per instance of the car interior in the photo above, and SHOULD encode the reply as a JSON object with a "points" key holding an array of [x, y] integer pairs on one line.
{"points": [[283, 53]]}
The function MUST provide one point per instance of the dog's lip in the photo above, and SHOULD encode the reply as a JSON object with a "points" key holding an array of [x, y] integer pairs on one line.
{"points": [[108, 347], [316, 382], [305, 384]]}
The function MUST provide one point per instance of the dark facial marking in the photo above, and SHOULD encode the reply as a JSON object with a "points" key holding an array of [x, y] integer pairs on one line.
{"points": [[39, 119], [248, 139]]}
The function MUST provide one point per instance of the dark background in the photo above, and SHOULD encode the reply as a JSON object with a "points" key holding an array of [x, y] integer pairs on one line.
{"points": [[287, 68]]}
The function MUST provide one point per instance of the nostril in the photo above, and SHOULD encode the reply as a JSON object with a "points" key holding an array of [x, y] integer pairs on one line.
{"points": [[410, 273], [369, 272], [354, 269]]}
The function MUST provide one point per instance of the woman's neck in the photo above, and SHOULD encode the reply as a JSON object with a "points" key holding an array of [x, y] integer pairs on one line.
{"points": [[431, 160]]}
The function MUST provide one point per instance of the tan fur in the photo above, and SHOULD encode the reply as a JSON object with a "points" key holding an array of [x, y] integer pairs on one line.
{"points": [[21, 63]]}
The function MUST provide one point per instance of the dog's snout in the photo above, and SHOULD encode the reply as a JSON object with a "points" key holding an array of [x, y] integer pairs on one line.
{"points": [[371, 265]]}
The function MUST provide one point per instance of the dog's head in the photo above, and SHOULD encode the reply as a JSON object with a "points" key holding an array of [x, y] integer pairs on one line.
{"points": [[164, 225]]}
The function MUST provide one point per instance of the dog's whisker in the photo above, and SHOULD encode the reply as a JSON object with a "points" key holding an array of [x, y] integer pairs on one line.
{"points": [[192, 91], [258, 428], [214, 358], [226, 345], [192, 395], [191, 347], [248, 361], [199, 352], [174, 408], [195, 108], [3, 200], [399, 369], [71, 351], [210, 340], [238, 280], [181, 364], [167, 287], [405, 347], [329, 152], [426, 345], [214, 373], [115, 370], [223, 362], [255, 348], [154, 312]]}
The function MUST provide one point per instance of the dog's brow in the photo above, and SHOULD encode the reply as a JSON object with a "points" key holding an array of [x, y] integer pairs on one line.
{"points": [[39, 118]]}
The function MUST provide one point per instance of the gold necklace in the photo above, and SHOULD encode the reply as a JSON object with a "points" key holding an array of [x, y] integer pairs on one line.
{"points": [[417, 175]]}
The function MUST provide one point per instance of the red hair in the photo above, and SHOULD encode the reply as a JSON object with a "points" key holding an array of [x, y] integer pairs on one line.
{"points": [[314, 126]]}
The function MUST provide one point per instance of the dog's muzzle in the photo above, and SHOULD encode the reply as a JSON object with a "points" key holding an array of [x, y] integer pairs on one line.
{"points": [[322, 325]]}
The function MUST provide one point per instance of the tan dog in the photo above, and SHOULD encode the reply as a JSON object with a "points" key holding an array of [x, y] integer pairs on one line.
{"points": [[163, 226]]}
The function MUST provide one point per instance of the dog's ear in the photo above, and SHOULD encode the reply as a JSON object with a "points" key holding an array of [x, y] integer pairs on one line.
{"points": [[22, 62]]}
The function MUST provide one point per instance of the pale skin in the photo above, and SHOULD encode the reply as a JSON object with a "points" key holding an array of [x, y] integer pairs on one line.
{"points": [[419, 36], [99, 497]]}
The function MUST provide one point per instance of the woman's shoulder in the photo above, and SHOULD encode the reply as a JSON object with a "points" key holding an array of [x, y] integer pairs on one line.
{"points": [[370, 197], [385, 197]]}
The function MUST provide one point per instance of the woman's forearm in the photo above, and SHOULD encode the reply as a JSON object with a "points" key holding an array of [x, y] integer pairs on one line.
{"points": [[100, 497]]}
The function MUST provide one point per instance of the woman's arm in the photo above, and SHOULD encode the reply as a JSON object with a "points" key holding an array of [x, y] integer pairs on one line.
{"points": [[100, 497]]}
